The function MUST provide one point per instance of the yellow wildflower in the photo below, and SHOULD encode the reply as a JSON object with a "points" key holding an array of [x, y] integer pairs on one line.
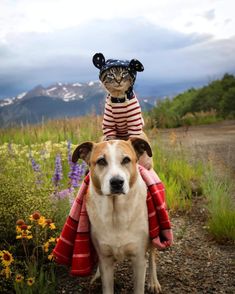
{"points": [[18, 230], [24, 234], [6, 258], [51, 240], [51, 257], [30, 281], [42, 221], [46, 246], [52, 226], [19, 278], [7, 272], [35, 216]]}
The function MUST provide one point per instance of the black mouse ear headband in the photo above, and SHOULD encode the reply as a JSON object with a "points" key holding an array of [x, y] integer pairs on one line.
{"points": [[98, 60], [135, 65]]}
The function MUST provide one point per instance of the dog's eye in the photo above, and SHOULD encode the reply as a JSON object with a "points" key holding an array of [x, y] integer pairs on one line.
{"points": [[126, 160], [102, 162]]}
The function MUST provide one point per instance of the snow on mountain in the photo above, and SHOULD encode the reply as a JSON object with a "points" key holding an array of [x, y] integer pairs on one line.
{"points": [[66, 92], [20, 96]]}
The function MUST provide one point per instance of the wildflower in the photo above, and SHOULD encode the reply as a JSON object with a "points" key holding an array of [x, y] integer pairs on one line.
{"points": [[25, 235], [76, 173], [6, 258], [52, 226], [30, 281], [51, 257], [42, 221], [24, 227], [63, 194], [46, 246], [48, 221], [69, 152], [58, 171], [20, 222], [37, 169], [23, 232], [35, 216], [19, 278], [18, 230], [7, 272], [35, 166], [52, 240]]}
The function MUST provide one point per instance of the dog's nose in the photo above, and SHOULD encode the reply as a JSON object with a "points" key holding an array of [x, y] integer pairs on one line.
{"points": [[116, 184]]}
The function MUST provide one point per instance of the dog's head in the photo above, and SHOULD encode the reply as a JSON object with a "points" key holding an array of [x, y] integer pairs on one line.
{"points": [[112, 163]]}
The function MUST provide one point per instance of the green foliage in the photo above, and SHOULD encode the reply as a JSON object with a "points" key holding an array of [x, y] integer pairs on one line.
{"points": [[205, 105]]}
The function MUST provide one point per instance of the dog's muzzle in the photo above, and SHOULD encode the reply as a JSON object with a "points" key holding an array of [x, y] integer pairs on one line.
{"points": [[116, 185]]}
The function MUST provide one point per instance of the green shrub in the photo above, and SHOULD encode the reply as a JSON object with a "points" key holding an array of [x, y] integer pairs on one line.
{"points": [[19, 196]]}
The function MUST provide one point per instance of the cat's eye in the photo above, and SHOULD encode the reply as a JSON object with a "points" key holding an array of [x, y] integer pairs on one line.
{"points": [[126, 160], [102, 162], [125, 74], [110, 76]]}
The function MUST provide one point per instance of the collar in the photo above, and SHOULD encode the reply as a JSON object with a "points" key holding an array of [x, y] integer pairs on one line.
{"points": [[129, 95]]}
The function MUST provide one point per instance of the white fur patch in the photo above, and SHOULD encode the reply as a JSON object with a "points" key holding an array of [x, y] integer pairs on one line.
{"points": [[114, 169]]}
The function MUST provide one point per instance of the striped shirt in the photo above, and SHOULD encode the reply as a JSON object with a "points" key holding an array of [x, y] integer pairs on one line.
{"points": [[122, 119]]}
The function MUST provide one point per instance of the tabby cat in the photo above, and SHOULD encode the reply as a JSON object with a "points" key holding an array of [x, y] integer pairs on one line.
{"points": [[122, 113], [117, 81]]}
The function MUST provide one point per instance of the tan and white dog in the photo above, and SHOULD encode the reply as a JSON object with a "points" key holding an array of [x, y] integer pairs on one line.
{"points": [[116, 206]]}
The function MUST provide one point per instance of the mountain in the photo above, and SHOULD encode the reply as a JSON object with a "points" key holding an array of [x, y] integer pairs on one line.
{"points": [[56, 101]]}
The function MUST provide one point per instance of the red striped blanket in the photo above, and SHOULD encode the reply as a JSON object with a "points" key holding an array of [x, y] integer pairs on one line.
{"points": [[75, 247]]}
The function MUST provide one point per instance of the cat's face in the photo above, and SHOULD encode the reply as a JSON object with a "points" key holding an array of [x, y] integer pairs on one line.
{"points": [[117, 81]]}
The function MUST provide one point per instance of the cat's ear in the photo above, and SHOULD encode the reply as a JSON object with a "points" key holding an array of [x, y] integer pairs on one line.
{"points": [[98, 60], [136, 65]]}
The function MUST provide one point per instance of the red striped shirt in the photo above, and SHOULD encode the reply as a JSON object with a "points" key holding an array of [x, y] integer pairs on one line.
{"points": [[122, 119]]}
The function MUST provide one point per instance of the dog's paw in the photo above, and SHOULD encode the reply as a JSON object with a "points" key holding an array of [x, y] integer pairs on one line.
{"points": [[154, 287]]}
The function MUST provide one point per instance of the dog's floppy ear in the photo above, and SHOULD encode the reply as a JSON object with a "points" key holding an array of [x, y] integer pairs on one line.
{"points": [[83, 151], [98, 60], [136, 65], [140, 146]]}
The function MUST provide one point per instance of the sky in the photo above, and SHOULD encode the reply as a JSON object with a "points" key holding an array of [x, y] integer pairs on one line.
{"points": [[48, 41]]}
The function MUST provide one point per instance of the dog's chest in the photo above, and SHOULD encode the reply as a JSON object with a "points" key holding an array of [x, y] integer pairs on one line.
{"points": [[119, 224]]}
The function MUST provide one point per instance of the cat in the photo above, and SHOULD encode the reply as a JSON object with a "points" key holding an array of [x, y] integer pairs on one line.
{"points": [[122, 114]]}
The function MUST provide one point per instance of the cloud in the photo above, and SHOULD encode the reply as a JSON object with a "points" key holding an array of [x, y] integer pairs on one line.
{"points": [[65, 55], [209, 14]]}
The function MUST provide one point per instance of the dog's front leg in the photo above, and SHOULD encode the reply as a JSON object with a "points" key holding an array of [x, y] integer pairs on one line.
{"points": [[139, 271], [106, 265]]}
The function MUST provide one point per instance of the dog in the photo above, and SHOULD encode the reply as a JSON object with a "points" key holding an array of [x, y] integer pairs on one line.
{"points": [[116, 206]]}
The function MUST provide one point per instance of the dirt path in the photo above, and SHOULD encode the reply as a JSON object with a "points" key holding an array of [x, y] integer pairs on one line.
{"points": [[215, 141], [195, 264]]}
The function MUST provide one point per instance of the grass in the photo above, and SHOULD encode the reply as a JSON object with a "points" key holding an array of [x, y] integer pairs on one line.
{"points": [[46, 140], [218, 190], [176, 173], [76, 130]]}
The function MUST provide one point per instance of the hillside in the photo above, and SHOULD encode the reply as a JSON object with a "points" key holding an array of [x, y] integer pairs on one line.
{"points": [[207, 104]]}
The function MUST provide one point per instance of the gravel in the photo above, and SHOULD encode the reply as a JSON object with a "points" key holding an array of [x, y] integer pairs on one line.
{"points": [[195, 264]]}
